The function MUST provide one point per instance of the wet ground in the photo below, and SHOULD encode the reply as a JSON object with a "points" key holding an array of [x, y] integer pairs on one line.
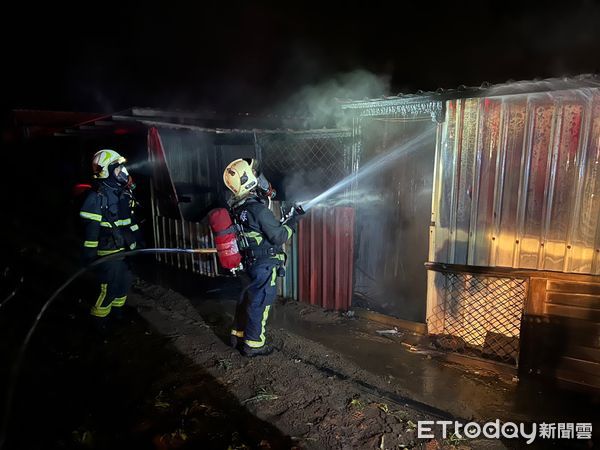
{"points": [[416, 370], [163, 377]]}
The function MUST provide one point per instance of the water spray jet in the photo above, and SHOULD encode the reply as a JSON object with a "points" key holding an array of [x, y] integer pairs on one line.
{"points": [[370, 168]]}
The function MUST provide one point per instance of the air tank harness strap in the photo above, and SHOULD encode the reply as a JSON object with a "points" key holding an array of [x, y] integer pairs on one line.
{"points": [[271, 252], [231, 229], [114, 230]]}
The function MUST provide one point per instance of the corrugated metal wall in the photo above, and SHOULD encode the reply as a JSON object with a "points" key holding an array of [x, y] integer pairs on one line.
{"points": [[192, 161], [325, 257], [393, 212], [517, 182], [164, 196]]}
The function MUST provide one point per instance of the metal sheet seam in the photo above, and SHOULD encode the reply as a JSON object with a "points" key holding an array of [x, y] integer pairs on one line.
{"points": [[436, 191], [499, 180], [442, 228], [524, 179], [455, 180], [476, 182], [584, 134], [551, 179]]}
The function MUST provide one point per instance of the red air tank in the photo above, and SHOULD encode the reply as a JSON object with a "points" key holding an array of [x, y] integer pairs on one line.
{"points": [[225, 238]]}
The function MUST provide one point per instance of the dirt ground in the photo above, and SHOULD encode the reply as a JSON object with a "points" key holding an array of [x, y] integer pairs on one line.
{"points": [[163, 376], [315, 397]]}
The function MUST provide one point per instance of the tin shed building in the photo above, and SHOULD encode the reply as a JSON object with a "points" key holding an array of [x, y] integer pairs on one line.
{"points": [[502, 203]]}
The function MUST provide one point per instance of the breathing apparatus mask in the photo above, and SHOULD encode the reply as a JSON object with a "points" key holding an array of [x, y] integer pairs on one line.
{"points": [[264, 187], [120, 174]]}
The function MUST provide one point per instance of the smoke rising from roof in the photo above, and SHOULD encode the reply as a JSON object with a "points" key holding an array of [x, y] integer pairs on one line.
{"points": [[318, 102]]}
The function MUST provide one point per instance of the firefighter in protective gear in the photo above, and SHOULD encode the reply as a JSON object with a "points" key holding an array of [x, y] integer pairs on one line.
{"points": [[264, 255], [109, 227]]}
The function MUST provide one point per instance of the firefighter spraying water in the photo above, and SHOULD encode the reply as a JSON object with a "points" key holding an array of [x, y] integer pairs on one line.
{"points": [[249, 241], [110, 227]]}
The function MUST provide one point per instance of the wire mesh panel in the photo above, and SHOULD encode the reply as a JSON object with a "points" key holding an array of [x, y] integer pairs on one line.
{"points": [[303, 165], [480, 316]]}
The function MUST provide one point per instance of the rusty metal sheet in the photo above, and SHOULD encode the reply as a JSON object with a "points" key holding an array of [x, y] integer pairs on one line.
{"points": [[541, 120], [508, 184], [583, 243], [522, 172], [483, 216], [563, 186]]}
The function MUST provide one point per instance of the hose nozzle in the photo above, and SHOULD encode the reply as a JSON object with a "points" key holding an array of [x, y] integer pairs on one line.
{"points": [[296, 210]]}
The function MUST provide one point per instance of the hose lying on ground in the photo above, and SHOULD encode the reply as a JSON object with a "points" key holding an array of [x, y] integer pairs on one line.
{"points": [[16, 368]]}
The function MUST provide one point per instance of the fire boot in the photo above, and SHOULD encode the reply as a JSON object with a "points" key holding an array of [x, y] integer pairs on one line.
{"points": [[236, 339], [251, 352]]}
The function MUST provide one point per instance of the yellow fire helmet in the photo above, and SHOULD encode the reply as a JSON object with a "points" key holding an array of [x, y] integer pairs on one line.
{"points": [[102, 159], [239, 177]]}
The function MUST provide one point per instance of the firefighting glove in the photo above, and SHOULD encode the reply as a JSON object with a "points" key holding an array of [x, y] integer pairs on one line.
{"points": [[297, 213], [299, 210]]}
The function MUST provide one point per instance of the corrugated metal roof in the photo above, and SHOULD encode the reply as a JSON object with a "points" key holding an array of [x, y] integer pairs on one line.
{"points": [[38, 123], [510, 87], [139, 119]]}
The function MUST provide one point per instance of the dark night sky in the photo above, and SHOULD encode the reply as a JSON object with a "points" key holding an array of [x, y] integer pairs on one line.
{"points": [[237, 56]]}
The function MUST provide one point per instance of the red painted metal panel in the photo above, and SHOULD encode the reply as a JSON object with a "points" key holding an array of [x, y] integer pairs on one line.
{"points": [[344, 257], [303, 252], [326, 257], [329, 251], [316, 256]]}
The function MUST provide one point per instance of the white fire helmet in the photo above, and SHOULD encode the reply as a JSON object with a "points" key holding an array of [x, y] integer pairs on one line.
{"points": [[102, 159]]}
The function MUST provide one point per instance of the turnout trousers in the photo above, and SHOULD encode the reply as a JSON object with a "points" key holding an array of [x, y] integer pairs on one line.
{"points": [[115, 279], [252, 310]]}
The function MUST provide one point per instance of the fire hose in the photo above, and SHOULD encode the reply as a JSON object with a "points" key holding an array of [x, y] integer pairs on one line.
{"points": [[16, 369]]}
